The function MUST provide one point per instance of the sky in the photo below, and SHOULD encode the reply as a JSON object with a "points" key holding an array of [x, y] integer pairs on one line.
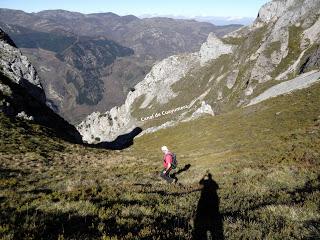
{"points": [[187, 8]]}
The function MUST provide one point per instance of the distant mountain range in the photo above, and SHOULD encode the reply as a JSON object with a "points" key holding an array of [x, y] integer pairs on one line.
{"points": [[89, 62], [219, 21]]}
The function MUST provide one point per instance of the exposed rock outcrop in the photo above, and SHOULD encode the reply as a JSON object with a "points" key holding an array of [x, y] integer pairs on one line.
{"points": [[303, 81], [156, 86], [18, 68], [284, 19], [312, 61], [281, 43], [274, 9], [22, 96], [6, 39], [203, 109], [213, 48]]}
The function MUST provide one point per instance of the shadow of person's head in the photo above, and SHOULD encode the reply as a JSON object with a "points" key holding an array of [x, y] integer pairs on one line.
{"points": [[207, 179]]}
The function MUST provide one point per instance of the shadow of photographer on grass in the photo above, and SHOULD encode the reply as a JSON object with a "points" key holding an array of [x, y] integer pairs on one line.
{"points": [[208, 222]]}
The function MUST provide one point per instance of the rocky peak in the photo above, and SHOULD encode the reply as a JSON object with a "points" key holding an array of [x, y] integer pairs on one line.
{"points": [[213, 48], [275, 9], [272, 10], [283, 23]]}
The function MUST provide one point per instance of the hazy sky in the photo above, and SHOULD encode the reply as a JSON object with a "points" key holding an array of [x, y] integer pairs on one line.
{"points": [[228, 8]]}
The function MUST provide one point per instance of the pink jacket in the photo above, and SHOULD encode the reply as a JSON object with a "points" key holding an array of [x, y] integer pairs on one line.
{"points": [[167, 158]]}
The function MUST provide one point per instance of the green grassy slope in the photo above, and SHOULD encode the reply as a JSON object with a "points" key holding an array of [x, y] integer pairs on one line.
{"points": [[265, 159]]}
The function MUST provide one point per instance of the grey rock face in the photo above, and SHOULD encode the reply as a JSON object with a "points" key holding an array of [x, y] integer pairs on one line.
{"points": [[231, 79], [22, 94], [279, 16], [213, 48], [274, 9], [6, 39], [303, 81], [18, 68], [312, 61], [288, 10], [204, 109], [311, 34]]}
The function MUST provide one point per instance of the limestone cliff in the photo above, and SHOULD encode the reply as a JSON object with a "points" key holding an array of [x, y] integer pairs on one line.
{"points": [[155, 89], [17, 67], [21, 93], [226, 73]]}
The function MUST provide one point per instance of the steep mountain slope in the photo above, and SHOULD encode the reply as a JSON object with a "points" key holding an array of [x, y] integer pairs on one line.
{"points": [[225, 74], [263, 160], [262, 157], [248, 173], [21, 93], [128, 46], [154, 88]]}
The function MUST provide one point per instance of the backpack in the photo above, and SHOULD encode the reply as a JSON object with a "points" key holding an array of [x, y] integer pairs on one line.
{"points": [[174, 162]]}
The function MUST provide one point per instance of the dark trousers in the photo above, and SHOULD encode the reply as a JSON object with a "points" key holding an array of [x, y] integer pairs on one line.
{"points": [[166, 176]]}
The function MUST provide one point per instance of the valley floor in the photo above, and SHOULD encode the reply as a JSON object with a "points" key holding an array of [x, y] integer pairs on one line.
{"points": [[253, 173]]}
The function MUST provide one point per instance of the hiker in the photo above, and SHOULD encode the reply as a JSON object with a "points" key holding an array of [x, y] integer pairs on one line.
{"points": [[168, 164]]}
